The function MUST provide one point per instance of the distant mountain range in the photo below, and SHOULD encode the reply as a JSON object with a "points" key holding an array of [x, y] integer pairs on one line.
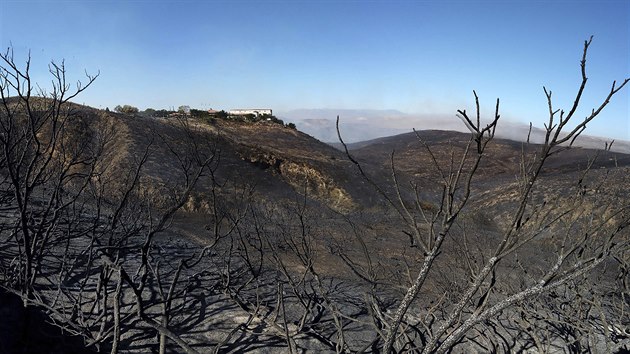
{"points": [[358, 125]]}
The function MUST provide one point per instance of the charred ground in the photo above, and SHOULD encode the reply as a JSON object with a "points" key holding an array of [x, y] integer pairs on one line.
{"points": [[275, 203]]}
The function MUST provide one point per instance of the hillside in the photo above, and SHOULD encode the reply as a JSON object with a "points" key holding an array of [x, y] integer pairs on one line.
{"points": [[277, 160], [503, 155], [499, 171], [199, 235]]}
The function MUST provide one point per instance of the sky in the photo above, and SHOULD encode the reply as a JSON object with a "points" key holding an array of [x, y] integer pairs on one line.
{"points": [[423, 57]]}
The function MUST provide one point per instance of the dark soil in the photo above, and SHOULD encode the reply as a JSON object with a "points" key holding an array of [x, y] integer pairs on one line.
{"points": [[28, 330]]}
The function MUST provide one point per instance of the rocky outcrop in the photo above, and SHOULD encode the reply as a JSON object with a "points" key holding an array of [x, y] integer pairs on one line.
{"points": [[304, 178], [316, 184]]}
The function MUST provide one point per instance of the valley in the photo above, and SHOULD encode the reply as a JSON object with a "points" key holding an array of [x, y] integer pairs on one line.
{"points": [[198, 235]]}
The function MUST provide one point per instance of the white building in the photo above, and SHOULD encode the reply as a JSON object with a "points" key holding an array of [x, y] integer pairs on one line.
{"points": [[254, 111]]}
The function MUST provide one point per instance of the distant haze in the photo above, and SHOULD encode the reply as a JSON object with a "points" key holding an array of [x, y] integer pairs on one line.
{"points": [[358, 125], [416, 56]]}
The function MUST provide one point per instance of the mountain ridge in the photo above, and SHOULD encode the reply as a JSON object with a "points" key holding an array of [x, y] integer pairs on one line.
{"points": [[357, 125]]}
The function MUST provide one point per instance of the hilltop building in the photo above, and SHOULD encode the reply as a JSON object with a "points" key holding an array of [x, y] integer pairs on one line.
{"points": [[255, 111]]}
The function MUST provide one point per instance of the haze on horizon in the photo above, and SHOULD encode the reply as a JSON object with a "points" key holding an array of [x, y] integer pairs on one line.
{"points": [[418, 57]]}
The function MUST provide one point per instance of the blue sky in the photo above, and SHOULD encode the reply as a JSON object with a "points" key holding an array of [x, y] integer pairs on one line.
{"points": [[414, 56]]}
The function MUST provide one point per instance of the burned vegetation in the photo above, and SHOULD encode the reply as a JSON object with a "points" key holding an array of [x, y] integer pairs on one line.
{"points": [[136, 234]]}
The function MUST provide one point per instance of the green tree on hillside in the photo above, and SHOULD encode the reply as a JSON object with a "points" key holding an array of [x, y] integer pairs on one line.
{"points": [[127, 109], [150, 112], [221, 114], [183, 109], [198, 113]]}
